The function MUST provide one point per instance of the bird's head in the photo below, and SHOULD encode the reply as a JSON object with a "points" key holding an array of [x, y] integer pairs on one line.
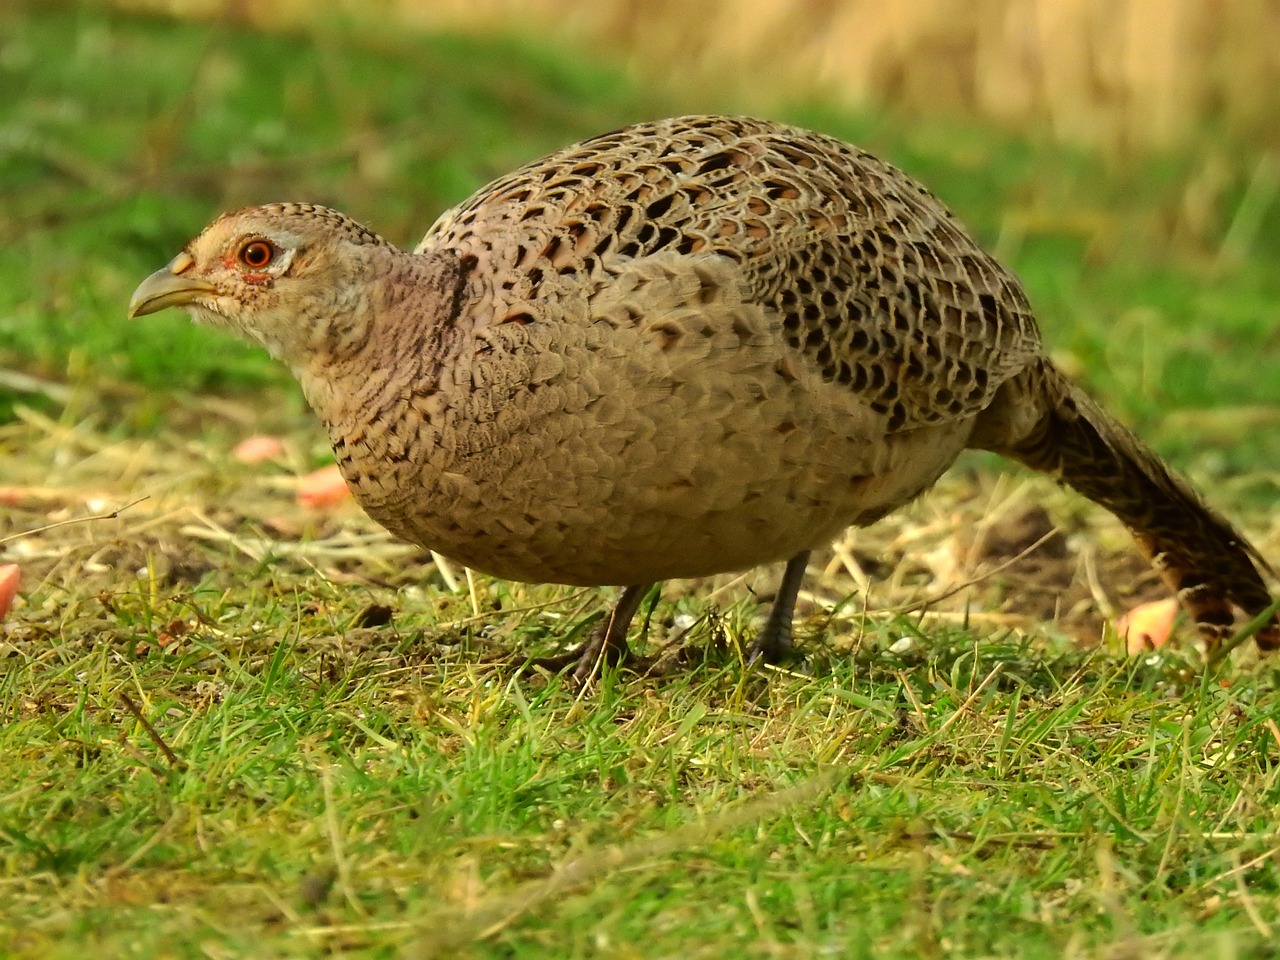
{"points": [[290, 276]]}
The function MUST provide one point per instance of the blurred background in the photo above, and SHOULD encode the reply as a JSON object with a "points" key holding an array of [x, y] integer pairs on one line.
{"points": [[1112, 74], [1123, 156]]}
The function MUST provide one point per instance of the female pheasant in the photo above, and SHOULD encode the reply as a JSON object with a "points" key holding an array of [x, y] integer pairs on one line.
{"points": [[678, 349]]}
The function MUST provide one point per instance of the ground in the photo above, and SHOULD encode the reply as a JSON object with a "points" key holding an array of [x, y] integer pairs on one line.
{"points": [[236, 726]]}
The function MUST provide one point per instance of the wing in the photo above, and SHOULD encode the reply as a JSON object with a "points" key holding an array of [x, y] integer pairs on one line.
{"points": [[867, 276]]}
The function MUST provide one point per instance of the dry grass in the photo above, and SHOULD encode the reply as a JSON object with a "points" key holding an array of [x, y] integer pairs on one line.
{"points": [[990, 550]]}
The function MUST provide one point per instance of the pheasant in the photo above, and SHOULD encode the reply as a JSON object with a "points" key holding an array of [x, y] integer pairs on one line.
{"points": [[682, 348]]}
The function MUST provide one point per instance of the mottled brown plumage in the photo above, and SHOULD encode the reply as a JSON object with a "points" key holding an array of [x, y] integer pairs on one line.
{"points": [[682, 348]]}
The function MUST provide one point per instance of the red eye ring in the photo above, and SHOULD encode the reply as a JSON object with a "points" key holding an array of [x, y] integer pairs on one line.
{"points": [[256, 254]]}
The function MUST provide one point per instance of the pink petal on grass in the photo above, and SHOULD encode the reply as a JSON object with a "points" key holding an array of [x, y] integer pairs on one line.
{"points": [[1147, 626], [10, 576], [322, 488], [258, 448]]}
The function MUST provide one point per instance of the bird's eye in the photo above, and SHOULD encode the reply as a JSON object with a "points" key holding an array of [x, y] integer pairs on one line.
{"points": [[256, 254]]}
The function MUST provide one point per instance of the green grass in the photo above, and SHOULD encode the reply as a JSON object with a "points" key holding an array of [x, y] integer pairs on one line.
{"points": [[374, 789], [337, 786]]}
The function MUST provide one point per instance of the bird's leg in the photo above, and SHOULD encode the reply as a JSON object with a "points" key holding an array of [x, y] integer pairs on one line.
{"points": [[773, 643], [608, 643]]}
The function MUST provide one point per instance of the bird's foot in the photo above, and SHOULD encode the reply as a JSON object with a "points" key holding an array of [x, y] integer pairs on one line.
{"points": [[772, 644], [553, 664], [607, 643], [587, 660]]}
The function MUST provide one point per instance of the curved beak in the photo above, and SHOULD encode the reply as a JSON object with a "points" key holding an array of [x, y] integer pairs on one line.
{"points": [[167, 287]]}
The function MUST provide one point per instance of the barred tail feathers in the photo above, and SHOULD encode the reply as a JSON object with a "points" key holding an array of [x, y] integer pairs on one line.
{"points": [[1200, 555]]}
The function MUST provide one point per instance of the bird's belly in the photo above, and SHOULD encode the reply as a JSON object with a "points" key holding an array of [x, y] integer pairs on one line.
{"points": [[571, 499], [601, 452]]}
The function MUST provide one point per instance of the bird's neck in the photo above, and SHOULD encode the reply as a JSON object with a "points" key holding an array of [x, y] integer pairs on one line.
{"points": [[391, 327]]}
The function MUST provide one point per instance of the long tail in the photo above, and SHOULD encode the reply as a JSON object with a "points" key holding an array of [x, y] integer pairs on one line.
{"points": [[1041, 420]]}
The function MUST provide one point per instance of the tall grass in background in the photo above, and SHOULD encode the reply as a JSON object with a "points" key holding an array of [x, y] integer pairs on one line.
{"points": [[1110, 74]]}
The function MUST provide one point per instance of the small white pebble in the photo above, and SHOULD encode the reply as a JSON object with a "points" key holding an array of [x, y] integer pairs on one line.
{"points": [[213, 691], [905, 645], [683, 621]]}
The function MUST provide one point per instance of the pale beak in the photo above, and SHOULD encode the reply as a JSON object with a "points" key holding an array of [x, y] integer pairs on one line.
{"points": [[167, 287]]}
